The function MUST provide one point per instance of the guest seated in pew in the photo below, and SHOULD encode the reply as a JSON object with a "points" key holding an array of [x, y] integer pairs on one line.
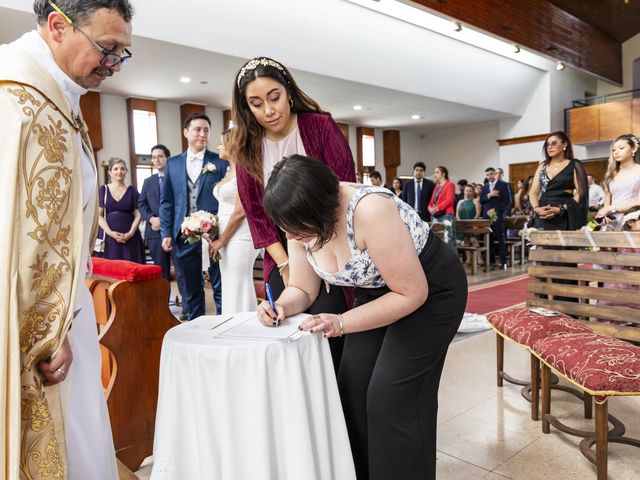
{"points": [[410, 294]]}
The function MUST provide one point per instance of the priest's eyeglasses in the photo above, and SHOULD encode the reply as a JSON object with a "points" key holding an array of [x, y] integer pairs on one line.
{"points": [[109, 58]]}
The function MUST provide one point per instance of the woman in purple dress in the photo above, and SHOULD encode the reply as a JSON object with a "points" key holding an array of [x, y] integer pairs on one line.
{"points": [[120, 217]]}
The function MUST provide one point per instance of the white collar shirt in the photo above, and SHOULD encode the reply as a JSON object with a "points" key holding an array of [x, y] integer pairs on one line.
{"points": [[194, 164]]}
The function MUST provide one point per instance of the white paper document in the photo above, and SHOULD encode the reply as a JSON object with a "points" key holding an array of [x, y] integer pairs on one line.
{"points": [[252, 328]]}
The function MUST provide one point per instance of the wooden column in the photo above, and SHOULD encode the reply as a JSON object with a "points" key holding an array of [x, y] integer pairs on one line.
{"points": [[391, 149], [187, 109], [226, 119], [90, 108], [344, 128]]}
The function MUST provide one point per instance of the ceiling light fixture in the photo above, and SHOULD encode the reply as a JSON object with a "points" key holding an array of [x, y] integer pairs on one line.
{"points": [[560, 66], [185, 79], [357, 107], [415, 116]]}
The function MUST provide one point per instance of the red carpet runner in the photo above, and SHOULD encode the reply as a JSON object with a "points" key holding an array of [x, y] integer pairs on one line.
{"points": [[497, 295]]}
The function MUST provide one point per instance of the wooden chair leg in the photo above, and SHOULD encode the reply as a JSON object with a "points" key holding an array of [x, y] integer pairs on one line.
{"points": [[499, 358], [474, 262], [545, 375], [588, 405], [535, 387], [602, 447]]}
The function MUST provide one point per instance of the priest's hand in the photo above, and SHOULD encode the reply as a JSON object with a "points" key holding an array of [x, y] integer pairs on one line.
{"points": [[56, 370]]}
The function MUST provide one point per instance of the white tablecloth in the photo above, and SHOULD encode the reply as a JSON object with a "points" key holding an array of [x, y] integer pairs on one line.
{"points": [[248, 409]]}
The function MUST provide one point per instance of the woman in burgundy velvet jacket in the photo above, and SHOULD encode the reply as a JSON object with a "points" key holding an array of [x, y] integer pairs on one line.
{"points": [[274, 118]]}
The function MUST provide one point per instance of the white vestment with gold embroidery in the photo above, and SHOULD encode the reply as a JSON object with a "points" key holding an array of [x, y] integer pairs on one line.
{"points": [[47, 229]]}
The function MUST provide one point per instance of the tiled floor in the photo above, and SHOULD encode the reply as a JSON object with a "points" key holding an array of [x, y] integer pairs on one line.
{"points": [[485, 432]]}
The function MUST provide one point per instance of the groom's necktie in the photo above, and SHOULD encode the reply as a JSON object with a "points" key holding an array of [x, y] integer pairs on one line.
{"points": [[418, 193]]}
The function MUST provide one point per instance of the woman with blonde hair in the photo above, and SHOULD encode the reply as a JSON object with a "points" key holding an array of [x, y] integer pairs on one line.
{"points": [[622, 181]]}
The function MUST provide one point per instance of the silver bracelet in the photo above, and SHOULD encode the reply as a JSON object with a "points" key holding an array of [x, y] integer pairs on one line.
{"points": [[282, 266], [340, 319]]}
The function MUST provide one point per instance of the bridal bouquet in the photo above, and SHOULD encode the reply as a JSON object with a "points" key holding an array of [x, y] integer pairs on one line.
{"points": [[198, 224]]}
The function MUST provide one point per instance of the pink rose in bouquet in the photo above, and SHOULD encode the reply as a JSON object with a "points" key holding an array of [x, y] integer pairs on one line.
{"points": [[198, 224]]}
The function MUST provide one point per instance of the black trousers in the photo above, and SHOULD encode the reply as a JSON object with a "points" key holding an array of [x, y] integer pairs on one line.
{"points": [[332, 301], [389, 377], [498, 235]]}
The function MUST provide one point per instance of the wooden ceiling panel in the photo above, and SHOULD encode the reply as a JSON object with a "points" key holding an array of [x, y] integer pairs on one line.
{"points": [[545, 27]]}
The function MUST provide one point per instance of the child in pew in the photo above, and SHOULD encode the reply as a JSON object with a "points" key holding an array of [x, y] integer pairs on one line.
{"points": [[631, 223]]}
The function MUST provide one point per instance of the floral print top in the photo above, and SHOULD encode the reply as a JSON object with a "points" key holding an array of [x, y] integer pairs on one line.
{"points": [[360, 271]]}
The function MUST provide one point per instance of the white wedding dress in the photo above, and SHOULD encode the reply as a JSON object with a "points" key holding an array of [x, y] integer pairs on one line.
{"points": [[237, 256]]}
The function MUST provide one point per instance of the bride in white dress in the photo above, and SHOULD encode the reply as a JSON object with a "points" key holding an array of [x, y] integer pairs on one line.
{"points": [[234, 243]]}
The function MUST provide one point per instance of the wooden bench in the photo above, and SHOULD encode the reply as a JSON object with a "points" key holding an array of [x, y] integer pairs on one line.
{"points": [[481, 228], [131, 305], [580, 343], [516, 244]]}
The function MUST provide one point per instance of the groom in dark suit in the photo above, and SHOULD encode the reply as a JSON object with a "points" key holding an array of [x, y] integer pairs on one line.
{"points": [[495, 198], [417, 191], [188, 187]]}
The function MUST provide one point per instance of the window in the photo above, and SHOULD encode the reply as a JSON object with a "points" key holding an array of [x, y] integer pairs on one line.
{"points": [[145, 131], [143, 134], [368, 151]]}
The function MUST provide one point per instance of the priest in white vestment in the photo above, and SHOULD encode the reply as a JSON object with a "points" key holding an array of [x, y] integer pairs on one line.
{"points": [[54, 421]]}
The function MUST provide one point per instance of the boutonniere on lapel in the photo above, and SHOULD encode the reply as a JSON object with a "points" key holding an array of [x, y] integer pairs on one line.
{"points": [[209, 168]]}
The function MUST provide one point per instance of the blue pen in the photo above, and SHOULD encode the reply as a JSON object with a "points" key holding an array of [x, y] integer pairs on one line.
{"points": [[267, 290]]}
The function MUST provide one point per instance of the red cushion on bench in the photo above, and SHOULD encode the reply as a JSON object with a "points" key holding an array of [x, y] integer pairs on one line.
{"points": [[526, 328], [125, 270], [601, 365]]}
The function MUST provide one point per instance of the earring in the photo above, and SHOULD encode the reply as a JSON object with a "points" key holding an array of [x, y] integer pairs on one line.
{"points": [[291, 102]]}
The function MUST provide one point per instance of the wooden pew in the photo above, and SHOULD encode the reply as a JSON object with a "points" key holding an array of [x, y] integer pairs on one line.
{"points": [[584, 341], [481, 228], [131, 304], [516, 243]]}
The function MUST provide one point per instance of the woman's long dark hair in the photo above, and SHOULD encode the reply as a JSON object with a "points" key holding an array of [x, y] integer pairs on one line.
{"points": [[247, 135], [302, 197]]}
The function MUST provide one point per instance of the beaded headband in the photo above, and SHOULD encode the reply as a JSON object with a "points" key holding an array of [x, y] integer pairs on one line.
{"points": [[255, 63]]}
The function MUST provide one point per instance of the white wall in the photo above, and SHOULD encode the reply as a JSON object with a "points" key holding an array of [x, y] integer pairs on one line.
{"points": [[466, 152], [536, 118], [630, 52], [169, 128], [567, 85], [115, 131]]}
